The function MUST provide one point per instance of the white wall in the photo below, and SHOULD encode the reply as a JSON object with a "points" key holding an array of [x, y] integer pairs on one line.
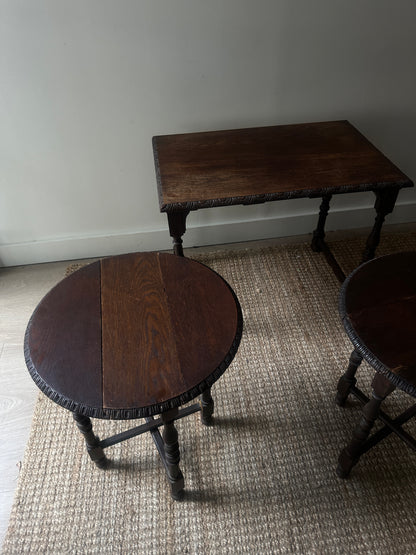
{"points": [[85, 84]]}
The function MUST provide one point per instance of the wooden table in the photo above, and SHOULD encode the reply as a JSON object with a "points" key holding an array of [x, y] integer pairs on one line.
{"points": [[251, 166], [378, 310], [132, 336]]}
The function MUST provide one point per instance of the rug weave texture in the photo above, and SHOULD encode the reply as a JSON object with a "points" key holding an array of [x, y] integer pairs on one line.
{"points": [[262, 478]]}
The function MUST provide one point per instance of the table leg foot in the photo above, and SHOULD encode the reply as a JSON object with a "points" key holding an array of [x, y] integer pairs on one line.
{"points": [[347, 380], [345, 464], [176, 489], [207, 407], [91, 440], [172, 454]]}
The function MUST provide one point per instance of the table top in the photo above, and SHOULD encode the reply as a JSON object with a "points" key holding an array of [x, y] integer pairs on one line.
{"points": [[133, 335], [378, 307], [249, 166]]}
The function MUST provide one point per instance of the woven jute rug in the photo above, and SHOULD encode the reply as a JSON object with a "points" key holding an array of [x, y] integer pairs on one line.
{"points": [[262, 478]]}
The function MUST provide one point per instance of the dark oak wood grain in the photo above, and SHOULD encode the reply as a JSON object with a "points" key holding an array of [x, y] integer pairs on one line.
{"points": [[140, 363], [250, 166], [198, 170], [63, 339], [203, 315], [133, 335]]}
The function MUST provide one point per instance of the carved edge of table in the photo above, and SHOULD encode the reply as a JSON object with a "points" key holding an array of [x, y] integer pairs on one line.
{"points": [[269, 197], [362, 349], [143, 412], [386, 195]]}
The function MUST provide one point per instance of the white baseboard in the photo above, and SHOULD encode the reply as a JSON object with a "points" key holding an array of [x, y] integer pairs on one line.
{"points": [[75, 248]]}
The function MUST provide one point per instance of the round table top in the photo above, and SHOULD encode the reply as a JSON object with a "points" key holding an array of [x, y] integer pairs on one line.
{"points": [[133, 335], [378, 308]]}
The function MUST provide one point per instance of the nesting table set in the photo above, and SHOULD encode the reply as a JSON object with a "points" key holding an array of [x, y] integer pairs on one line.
{"points": [[141, 335]]}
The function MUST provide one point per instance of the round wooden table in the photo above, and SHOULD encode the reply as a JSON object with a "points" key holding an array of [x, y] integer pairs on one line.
{"points": [[133, 336], [378, 309]]}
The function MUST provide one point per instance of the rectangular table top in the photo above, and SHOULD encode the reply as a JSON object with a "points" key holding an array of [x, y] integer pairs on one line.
{"points": [[249, 166]]}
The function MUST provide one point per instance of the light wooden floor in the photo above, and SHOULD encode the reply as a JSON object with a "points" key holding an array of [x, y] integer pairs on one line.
{"points": [[21, 288]]}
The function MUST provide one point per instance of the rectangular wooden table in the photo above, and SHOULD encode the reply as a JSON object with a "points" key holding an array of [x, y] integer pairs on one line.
{"points": [[251, 166]]}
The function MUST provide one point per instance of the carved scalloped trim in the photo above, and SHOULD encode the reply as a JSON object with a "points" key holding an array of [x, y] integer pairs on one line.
{"points": [[363, 350], [268, 197], [142, 412], [367, 355]]}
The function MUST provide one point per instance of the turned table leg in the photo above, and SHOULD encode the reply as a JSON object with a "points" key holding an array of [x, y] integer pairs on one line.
{"points": [[351, 454], [177, 227], [348, 380], [207, 407], [385, 201], [318, 239], [92, 441], [172, 454], [319, 233]]}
